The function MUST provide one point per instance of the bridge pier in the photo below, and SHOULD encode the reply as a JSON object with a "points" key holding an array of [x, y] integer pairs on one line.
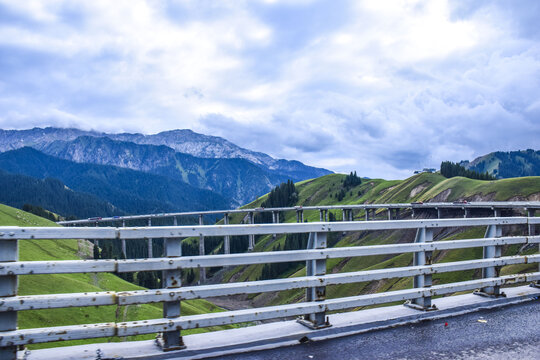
{"points": [[439, 213], [316, 268], [172, 279], [227, 238], [366, 214], [251, 244], [202, 270], [9, 252], [489, 252], [421, 258]]}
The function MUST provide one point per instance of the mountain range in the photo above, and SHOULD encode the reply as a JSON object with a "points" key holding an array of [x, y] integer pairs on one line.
{"points": [[206, 162]]}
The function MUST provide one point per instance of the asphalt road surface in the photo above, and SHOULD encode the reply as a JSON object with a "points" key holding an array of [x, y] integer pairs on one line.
{"points": [[512, 332]]}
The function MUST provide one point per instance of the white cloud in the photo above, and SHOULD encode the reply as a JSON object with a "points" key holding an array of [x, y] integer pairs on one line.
{"points": [[379, 87]]}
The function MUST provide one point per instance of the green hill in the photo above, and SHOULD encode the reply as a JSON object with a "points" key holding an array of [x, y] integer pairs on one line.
{"points": [[507, 164], [423, 187], [30, 250]]}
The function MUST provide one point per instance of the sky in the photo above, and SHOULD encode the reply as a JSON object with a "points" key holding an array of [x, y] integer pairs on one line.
{"points": [[380, 87]]}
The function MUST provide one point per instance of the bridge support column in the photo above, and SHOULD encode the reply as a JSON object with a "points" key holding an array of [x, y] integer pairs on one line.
{"points": [[439, 213], [351, 215], [316, 268], [227, 238], [421, 258], [298, 216], [389, 211], [124, 250], [344, 214], [321, 215], [172, 279], [149, 242], [175, 221], [489, 252], [202, 271], [367, 214], [251, 244], [397, 214], [466, 212], [9, 252]]}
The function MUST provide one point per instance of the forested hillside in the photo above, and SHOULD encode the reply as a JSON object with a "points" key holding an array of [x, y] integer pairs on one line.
{"points": [[507, 164], [130, 191], [51, 194]]}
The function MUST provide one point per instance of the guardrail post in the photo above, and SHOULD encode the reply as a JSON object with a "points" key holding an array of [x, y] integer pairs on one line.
{"points": [[489, 252], [150, 250], [172, 279], [202, 271], [9, 251], [532, 232], [421, 258], [531, 213], [315, 268], [227, 238], [275, 220], [251, 244], [124, 250]]}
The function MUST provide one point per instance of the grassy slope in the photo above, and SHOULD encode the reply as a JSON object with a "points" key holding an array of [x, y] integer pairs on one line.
{"points": [[419, 187], [69, 283]]}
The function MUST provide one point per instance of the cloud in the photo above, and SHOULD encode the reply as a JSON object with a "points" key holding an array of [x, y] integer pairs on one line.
{"points": [[370, 86]]}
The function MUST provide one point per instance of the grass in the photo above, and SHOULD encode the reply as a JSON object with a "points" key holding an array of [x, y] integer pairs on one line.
{"points": [[30, 250], [421, 187]]}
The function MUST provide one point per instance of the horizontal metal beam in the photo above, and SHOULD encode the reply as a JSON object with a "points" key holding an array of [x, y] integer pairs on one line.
{"points": [[76, 332], [50, 301], [156, 264], [246, 229], [430, 205]]}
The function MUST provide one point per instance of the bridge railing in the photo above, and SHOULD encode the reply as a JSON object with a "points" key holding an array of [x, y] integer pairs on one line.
{"points": [[312, 311]]}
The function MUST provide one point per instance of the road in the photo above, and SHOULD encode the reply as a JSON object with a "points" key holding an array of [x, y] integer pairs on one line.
{"points": [[512, 332]]}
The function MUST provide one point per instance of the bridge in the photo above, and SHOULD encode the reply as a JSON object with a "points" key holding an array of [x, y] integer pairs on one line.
{"points": [[315, 318]]}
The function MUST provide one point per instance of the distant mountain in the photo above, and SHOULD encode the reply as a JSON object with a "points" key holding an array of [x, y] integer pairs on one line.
{"points": [[236, 179], [131, 191], [183, 141], [51, 194], [507, 164]]}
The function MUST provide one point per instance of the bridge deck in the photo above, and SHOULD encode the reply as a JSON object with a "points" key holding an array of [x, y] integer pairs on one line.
{"points": [[288, 333]]}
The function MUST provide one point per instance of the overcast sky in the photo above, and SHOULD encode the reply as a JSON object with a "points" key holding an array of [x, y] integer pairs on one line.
{"points": [[381, 87]]}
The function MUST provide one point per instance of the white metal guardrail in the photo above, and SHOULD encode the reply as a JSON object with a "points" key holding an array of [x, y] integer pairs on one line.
{"points": [[313, 310], [347, 210]]}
